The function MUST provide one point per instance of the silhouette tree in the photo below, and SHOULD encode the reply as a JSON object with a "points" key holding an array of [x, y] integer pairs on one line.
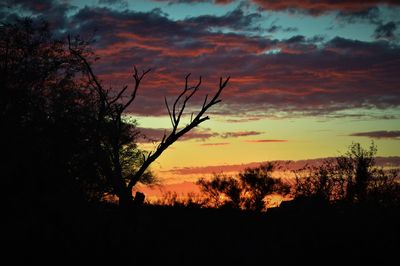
{"points": [[46, 116], [63, 130], [316, 183], [222, 191], [358, 165], [351, 178], [246, 191], [114, 144]]}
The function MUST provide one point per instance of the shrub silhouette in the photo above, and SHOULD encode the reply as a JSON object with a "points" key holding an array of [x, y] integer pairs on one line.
{"points": [[171, 198], [351, 179], [246, 191]]}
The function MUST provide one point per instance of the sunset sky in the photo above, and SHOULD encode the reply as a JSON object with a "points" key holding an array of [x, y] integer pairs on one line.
{"points": [[307, 78]]}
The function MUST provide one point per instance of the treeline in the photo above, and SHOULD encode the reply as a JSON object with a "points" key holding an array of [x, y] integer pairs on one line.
{"points": [[347, 180]]}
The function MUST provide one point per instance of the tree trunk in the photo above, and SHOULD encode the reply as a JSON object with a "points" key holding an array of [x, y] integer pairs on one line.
{"points": [[125, 200]]}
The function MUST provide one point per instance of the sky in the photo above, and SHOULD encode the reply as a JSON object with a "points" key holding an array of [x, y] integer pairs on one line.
{"points": [[307, 78]]}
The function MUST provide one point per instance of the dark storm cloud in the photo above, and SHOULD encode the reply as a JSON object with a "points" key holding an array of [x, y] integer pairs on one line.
{"points": [[383, 134]]}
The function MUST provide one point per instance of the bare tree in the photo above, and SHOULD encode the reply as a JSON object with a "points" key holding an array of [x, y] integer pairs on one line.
{"points": [[111, 109]]}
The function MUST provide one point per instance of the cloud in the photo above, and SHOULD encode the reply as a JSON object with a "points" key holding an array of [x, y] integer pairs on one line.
{"points": [[37, 6], [120, 3], [243, 120], [391, 162], [239, 134], [53, 11], [215, 144], [156, 134], [382, 134], [283, 77], [301, 77], [276, 28], [236, 20], [266, 140], [368, 14], [218, 2], [320, 7], [386, 31]]}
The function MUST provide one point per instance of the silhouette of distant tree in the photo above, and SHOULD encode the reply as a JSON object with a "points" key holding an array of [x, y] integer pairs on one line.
{"points": [[222, 191], [358, 167], [351, 178], [318, 183], [246, 191]]}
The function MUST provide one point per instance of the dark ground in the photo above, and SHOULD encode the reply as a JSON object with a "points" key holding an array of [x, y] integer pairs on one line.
{"points": [[156, 235]]}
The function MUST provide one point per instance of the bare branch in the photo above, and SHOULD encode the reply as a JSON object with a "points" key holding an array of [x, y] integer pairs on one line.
{"points": [[175, 119], [119, 95], [169, 112], [194, 90], [138, 78], [205, 101], [179, 97], [89, 70]]}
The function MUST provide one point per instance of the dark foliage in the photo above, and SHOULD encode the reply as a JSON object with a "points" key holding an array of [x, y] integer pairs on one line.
{"points": [[61, 144], [349, 179], [66, 136], [46, 113], [247, 191]]}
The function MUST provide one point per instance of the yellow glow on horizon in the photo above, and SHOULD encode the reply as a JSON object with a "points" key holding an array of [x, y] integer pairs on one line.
{"points": [[307, 138]]}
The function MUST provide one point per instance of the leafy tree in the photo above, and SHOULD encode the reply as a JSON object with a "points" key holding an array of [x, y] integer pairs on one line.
{"points": [[246, 191], [46, 115]]}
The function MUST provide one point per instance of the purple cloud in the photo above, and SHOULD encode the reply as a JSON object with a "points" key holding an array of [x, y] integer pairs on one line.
{"points": [[382, 134]]}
